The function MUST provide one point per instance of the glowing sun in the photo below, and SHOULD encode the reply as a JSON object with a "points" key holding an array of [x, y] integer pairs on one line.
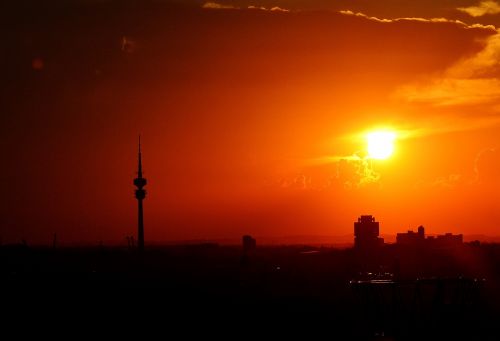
{"points": [[380, 144]]}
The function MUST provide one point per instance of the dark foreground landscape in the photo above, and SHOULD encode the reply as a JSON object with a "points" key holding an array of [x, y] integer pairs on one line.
{"points": [[209, 290]]}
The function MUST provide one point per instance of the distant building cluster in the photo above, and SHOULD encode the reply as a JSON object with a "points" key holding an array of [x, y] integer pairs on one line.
{"points": [[411, 238], [366, 236]]}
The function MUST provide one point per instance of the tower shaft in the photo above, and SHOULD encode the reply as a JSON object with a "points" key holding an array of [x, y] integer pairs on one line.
{"points": [[140, 232], [140, 194]]}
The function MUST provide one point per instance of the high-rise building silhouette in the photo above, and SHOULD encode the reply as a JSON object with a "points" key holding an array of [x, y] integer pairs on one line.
{"points": [[249, 244], [140, 194], [366, 233]]}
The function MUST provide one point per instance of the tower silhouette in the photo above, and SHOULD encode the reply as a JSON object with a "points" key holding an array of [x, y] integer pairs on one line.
{"points": [[140, 194]]}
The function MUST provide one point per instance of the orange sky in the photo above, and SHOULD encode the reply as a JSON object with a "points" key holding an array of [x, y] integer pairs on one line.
{"points": [[248, 117]]}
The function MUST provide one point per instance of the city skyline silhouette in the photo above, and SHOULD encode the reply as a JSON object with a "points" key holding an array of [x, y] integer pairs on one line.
{"points": [[223, 168]]}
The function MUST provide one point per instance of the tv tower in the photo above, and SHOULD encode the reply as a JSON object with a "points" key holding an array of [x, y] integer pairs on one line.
{"points": [[140, 194]]}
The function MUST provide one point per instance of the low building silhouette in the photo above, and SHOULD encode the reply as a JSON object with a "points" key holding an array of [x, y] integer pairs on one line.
{"points": [[411, 238], [414, 239], [446, 240]]}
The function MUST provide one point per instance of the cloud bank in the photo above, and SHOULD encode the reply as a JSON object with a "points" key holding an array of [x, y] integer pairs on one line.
{"points": [[471, 81]]}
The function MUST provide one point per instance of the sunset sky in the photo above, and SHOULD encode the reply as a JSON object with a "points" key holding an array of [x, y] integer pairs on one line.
{"points": [[253, 116]]}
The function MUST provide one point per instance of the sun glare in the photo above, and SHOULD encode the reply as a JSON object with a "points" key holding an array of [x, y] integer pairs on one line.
{"points": [[380, 144]]}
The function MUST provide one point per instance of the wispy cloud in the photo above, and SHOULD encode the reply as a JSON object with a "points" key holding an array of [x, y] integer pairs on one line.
{"points": [[349, 171], [273, 9], [487, 165], [486, 170], [216, 5], [447, 125], [330, 172], [429, 20], [483, 8], [445, 182], [299, 181], [452, 91]]}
